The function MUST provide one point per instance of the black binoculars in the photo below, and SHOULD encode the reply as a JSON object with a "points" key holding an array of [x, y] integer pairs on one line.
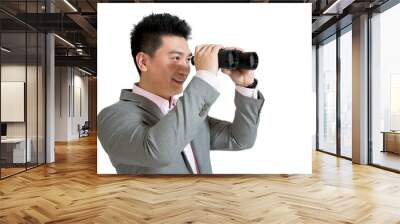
{"points": [[235, 59]]}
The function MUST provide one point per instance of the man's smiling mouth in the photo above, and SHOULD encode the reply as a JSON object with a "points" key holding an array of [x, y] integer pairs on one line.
{"points": [[179, 80]]}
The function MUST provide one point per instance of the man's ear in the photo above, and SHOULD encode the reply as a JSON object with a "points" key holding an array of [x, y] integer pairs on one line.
{"points": [[142, 60]]}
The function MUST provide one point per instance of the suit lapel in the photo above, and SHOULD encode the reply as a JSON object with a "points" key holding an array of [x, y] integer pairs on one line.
{"points": [[143, 102], [153, 109]]}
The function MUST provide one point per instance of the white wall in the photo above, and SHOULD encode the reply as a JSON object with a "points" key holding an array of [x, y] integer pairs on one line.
{"points": [[67, 115], [80, 83], [61, 103]]}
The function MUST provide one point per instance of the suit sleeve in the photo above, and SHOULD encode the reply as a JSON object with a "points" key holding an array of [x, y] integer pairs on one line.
{"points": [[132, 142], [242, 132]]}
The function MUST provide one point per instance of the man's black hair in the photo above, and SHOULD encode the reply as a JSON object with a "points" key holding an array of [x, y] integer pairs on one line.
{"points": [[146, 35]]}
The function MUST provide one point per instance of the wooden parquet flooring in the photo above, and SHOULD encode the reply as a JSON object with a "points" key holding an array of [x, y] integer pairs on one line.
{"points": [[70, 191]]}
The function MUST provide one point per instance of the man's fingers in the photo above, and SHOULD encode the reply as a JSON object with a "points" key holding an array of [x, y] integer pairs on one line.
{"points": [[216, 48], [209, 48], [206, 57], [226, 71], [234, 48], [201, 48]]}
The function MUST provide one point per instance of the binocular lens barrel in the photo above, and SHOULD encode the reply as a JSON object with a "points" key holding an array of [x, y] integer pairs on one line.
{"points": [[248, 60], [234, 59]]}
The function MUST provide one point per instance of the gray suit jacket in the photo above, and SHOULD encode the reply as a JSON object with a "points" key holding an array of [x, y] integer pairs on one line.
{"points": [[140, 140]]}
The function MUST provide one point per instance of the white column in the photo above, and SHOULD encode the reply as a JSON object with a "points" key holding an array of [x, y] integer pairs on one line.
{"points": [[360, 90], [50, 93]]}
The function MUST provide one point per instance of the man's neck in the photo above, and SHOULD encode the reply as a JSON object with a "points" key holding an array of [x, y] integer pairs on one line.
{"points": [[146, 87]]}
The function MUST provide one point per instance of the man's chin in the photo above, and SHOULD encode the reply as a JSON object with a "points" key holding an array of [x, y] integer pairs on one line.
{"points": [[177, 88], [177, 91]]}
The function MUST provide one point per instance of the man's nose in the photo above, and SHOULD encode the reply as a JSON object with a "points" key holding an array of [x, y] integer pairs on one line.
{"points": [[185, 64]]}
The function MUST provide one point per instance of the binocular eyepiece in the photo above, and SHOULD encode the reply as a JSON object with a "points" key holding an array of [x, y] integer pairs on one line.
{"points": [[235, 59]]}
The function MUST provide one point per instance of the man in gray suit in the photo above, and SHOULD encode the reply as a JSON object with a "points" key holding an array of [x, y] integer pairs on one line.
{"points": [[149, 131]]}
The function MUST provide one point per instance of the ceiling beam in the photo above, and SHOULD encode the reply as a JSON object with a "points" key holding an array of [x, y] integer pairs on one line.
{"points": [[84, 24], [84, 61], [317, 25], [337, 6]]}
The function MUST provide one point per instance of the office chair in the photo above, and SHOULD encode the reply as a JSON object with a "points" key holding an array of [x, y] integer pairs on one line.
{"points": [[84, 130]]}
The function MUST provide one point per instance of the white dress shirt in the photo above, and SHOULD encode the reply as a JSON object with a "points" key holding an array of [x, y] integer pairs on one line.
{"points": [[165, 105]]}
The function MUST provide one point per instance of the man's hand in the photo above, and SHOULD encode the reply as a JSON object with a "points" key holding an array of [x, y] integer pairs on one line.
{"points": [[206, 57], [240, 77]]}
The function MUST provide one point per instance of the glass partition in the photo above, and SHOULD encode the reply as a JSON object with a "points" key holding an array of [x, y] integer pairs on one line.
{"points": [[22, 77], [13, 103], [327, 96], [31, 100], [385, 89]]}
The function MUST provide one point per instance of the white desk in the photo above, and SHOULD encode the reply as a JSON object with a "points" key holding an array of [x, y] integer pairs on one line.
{"points": [[18, 149]]}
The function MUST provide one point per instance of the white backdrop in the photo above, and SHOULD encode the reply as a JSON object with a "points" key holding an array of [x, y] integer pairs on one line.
{"points": [[279, 33]]}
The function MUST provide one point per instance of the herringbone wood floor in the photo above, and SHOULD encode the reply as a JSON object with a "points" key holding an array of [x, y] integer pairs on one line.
{"points": [[70, 191]]}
